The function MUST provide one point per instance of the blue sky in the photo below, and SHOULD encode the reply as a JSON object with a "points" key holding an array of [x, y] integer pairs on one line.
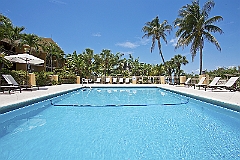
{"points": [[117, 25]]}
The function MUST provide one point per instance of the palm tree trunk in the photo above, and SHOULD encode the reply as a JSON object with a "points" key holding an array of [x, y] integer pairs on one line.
{"points": [[160, 51], [201, 48]]}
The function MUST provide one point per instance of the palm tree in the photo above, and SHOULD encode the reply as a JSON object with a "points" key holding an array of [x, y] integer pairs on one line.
{"points": [[117, 63], [87, 57], [158, 70], [157, 31], [195, 26], [169, 67], [52, 50], [13, 36], [108, 59], [5, 23], [33, 41], [178, 60], [97, 65]]}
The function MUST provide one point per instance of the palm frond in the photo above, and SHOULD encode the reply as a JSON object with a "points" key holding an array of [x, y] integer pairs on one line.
{"points": [[212, 39], [208, 7], [153, 43], [214, 19], [213, 28]]}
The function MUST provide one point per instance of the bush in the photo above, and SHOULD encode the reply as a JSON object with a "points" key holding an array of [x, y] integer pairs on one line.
{"points": [[66, 77], [43, 78]]}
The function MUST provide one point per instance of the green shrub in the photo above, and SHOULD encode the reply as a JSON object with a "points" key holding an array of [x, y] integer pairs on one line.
{"points": [[43, 78], [66, 77]]}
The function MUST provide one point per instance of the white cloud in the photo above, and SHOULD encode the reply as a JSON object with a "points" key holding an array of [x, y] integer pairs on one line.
{"points": [[96, 35], [128, 45], [174, 41], [142, 41], [231, 67], [132, 45]]}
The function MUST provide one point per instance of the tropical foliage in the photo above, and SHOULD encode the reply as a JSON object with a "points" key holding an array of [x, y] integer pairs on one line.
{"points": [[54, 54], [157, 30], [195, 26]]}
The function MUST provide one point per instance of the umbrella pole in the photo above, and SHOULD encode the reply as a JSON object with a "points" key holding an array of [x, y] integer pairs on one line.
{"points": [[26, 72]]}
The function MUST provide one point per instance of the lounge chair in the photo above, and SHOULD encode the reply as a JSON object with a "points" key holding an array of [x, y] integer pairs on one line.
{"points": [[12, 84], [10, 88], [127, 80], [230, 85], [114, 80], [200, 83], [214, 82], [11, 81], [120, 80], [107, 80], [98, 80], [187, 83]]}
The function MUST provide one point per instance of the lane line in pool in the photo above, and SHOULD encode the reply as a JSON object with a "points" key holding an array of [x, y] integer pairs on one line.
{"points": [[118, 105]]}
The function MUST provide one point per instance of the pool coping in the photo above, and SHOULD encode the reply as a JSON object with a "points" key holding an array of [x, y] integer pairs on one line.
{"points": [[233, 107], [22, 104]]}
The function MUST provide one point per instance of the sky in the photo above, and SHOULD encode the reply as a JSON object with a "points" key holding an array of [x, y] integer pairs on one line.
{"points": [[76, 25]]}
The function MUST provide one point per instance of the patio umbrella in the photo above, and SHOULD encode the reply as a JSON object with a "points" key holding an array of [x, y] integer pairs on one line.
{"points": [[24, 58]]}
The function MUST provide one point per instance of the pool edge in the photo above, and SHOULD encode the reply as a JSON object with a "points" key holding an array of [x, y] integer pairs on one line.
{"points": [[12, 107], [233, 107]]}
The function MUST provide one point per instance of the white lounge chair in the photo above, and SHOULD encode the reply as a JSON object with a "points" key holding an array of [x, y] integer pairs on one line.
{"points": [[188, 82], [200, 83], [121, 80], [127, 80], [229, 85], [114, 80], [98, 80], [213, 83], [107, 80]]}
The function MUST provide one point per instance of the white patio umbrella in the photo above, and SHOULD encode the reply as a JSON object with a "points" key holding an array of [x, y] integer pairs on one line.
{"points": [[24, 58]]}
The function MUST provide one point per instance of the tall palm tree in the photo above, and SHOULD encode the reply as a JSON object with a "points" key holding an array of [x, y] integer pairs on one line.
{"points": [[195, 26], [157, 31]]}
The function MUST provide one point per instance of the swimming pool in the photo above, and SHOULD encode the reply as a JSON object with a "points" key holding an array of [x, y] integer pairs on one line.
{"points": [[120, 123]]}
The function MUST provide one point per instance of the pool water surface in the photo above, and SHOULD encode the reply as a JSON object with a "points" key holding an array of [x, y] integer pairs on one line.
{"points": [[120, 123]]}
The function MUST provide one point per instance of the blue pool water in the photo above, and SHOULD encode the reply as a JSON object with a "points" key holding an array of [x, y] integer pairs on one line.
{"points": [[120, 123]]}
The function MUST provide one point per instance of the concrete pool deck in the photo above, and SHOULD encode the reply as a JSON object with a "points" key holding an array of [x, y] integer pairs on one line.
{"points": [[16, 97]]}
